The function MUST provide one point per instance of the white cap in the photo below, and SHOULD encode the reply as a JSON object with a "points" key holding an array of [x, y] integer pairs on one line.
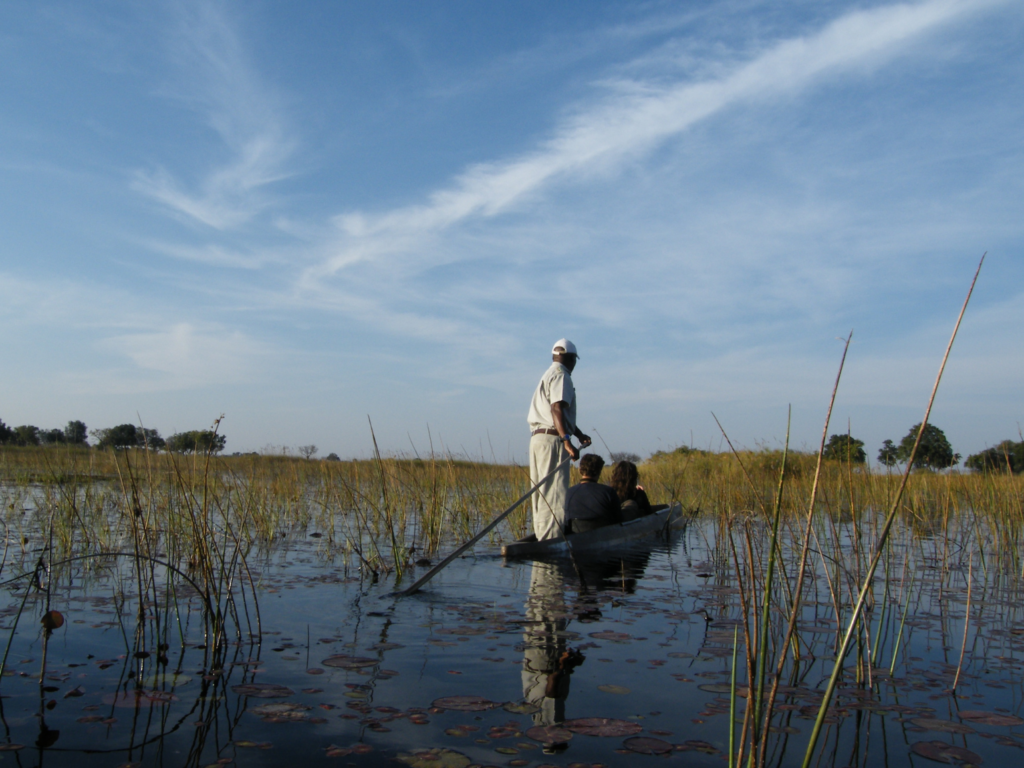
{"points": [[564, 346]]}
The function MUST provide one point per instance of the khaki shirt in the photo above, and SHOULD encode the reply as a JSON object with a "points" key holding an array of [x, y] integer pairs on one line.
{"points": [[555, 385]]}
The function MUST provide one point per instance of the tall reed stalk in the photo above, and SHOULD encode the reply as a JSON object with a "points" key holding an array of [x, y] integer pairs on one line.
{"points": [[883, 536]]}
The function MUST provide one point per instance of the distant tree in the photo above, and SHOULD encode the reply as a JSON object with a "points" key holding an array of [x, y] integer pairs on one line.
{"points": [[211, 441], [887, 454], [618, 456], [332, 457], [26, 434], [308, 451], [51, 436], [6, 433], [196, 441], [150, 438], [121, 436], [682, 450], [999, 458], [128, 436], [181, 442], [934, 452], [75, 433], [846, 449]]}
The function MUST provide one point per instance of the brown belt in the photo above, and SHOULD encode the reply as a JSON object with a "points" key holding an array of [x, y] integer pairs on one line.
{"points": [[544, 432]]}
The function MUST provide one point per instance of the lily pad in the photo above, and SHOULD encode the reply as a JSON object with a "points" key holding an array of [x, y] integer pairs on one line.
{"points": [[946, 726], [615, 637], [291, 717], [726, 688], [549, 734], [174, 680], [700, 746], [263, 690], [437, 757], [465, 703], [463, 631], [279, 708], [825, 628], [989, 718], [139, 699], [342, 661], [614, 689], [602, 726], [646, 745], [521, 708], [941, 752]]}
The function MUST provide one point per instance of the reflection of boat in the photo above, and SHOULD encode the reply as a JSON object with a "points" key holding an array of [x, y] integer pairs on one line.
{"points": [[663, 519]]}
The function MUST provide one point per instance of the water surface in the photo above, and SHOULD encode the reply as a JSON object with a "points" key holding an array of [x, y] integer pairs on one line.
{"points": [[609, 661]]}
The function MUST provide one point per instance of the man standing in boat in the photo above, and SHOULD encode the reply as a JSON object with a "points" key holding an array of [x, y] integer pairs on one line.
{"points": [[552, 420]]}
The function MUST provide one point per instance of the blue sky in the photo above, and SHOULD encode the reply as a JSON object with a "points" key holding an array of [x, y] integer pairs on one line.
{"points": [[301, 215]]}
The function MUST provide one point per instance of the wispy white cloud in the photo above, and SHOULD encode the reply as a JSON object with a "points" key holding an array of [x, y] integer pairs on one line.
{"points": [[634, 119], [186, 355], [215, 255], [114, 341], [217, 78], [385, 256], [66, 304], [561, 50]]}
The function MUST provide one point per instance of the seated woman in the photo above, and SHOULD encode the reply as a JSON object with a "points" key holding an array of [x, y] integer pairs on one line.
{"points": [[590, 504], [632, 497]]}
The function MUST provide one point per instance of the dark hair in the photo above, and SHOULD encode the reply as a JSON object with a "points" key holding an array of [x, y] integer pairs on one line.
{"points": [[624, 478], [591, 465]]}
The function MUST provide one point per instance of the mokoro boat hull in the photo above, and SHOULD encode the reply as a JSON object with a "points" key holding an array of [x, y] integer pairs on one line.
{"points": [[650, 527]]}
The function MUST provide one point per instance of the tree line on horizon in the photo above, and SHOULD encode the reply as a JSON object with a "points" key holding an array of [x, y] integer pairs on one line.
{"points": [[934, 453], [117, 438]]}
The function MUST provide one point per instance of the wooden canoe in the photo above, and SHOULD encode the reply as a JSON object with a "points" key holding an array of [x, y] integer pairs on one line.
{"points": [[650, 527]]}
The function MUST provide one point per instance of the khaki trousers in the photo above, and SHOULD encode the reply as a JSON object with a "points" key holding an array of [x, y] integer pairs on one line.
{"points": [[546, 452]]}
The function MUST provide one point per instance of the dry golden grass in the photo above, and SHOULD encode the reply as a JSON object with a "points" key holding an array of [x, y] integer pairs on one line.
{"points": [[378, 511]]}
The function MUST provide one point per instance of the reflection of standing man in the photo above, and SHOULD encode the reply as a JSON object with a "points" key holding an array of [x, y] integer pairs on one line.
{"points": [[552, 421], [547, 662]]}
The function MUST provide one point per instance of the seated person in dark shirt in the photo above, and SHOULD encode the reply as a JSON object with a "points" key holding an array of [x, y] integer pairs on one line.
{"points": [[632, 497], [590, 504]]}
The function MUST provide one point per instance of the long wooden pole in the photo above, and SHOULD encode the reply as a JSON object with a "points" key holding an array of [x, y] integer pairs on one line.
{"points": [[487, 529]]}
